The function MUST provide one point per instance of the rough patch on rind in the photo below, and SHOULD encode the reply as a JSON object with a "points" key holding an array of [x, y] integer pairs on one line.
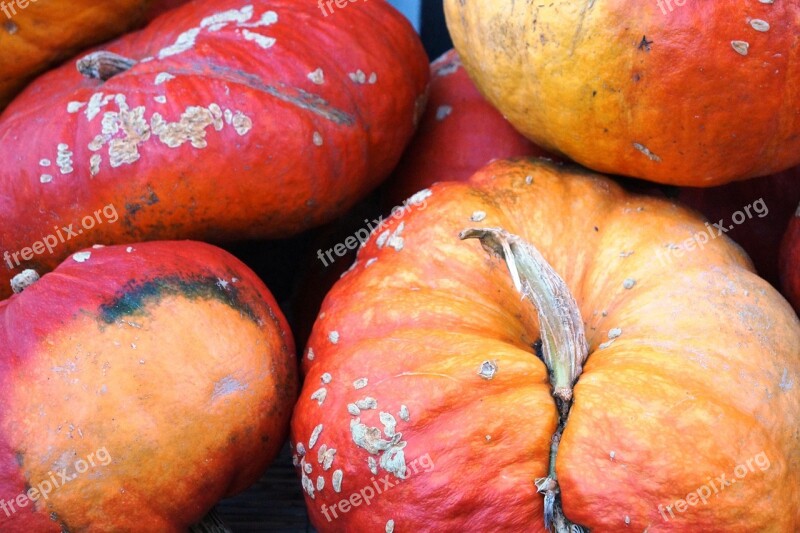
{"points": [[263, 41], [315, 436], [337, 480], [184, 42], [393, 460], [320, 395], [317, 76], [369, 438], [163, 77], [64, 159]]}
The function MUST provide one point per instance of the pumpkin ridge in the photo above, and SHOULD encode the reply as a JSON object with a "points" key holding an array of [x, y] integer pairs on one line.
{"points": [[309, 101]]}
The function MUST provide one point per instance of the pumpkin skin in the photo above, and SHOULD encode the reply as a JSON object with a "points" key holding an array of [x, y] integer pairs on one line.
{"points": [[171, 356], [677, 397], [459, 133], [790, 261], [261, 149], [162, 6], [760, 233], [47, 31], [628, 88]]}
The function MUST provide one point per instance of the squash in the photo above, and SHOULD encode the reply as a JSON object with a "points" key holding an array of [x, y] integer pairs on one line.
{"points": [[140, 384], [790, 261], [217, 122], [433, 400], [683, 93], [162, 6], [44, 32], [459, 133]]}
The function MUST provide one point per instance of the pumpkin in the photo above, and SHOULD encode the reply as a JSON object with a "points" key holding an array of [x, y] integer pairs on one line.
{"points": [[140, 384], [428, 406], [44, 32], [459, 133], [790, 261], [753, 213], [695, 93], [217, 122], [162, 6]]}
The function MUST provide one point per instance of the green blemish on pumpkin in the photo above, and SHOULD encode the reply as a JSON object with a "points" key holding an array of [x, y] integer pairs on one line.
{"points": [[134, 298]]}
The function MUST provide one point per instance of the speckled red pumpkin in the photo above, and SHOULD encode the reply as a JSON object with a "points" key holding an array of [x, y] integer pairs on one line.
{"points": [[427, 406], [790, 261], [140, 385], [219, 121], [458, 134]]}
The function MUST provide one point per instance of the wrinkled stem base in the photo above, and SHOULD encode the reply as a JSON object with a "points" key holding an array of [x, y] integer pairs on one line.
{"points": [[564, 344]]}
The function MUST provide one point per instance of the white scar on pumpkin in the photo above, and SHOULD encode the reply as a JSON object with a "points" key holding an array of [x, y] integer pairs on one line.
{"points": [[219, 21], [124, 130]]}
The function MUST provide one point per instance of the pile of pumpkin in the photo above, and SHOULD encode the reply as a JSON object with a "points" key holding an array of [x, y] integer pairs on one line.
{"points": [[526, 345]]}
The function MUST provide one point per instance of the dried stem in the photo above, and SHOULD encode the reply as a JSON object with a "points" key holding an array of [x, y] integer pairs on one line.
{"points": [[103, 65], [564, 344]]}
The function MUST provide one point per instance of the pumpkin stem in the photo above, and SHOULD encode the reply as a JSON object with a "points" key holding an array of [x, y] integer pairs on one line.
{"points": [[103, 65], [563, 339], [212, 523], [23, 280], [564, 344]]}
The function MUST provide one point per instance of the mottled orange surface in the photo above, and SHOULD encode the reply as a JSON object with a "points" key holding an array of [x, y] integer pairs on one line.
{"points": [[702, 374], [46, 31], [698, 94], [166, 367]]}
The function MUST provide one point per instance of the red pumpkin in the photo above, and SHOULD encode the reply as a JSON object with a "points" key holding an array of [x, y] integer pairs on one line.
{"points": [[427, 405], [753, 213], [683, 93], [459, 133], [790, 261], [162, 6], [216, 122], [140, 385]]}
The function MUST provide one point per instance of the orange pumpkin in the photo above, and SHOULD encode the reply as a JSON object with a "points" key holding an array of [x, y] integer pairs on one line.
{"points": [[44, 32], [140, 385], [696, 93], [427, 405], [217, 122]]}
